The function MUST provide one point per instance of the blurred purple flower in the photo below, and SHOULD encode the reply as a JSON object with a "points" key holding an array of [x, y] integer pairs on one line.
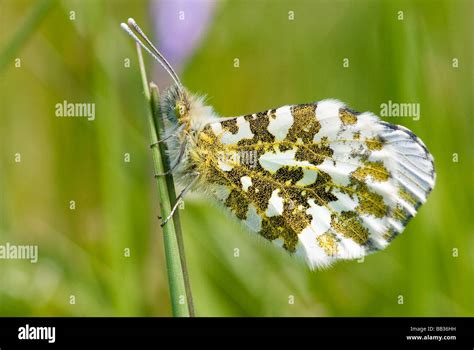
{"points": [[180, 26]]}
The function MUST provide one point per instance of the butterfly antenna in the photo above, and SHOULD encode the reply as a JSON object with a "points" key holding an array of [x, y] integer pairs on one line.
{"points": [[137, 34]]}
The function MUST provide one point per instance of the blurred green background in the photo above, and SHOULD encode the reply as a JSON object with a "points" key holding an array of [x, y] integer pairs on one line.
{"points": [[81, 251]]}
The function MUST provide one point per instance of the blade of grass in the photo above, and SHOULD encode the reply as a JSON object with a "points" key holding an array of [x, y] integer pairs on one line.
{"points": [[180, 291], [160, 127]]}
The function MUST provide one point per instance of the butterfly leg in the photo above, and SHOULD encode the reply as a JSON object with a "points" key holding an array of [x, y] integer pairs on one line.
{"points": [[172, 134], [179, 199], [161, 140]]}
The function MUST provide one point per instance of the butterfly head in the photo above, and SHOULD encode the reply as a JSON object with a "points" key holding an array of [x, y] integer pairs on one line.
{"points": [[177, 94], [177, 105], [184, 108]]}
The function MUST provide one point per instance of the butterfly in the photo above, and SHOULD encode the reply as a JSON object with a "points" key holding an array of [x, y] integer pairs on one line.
{"points": [[320, 180]]}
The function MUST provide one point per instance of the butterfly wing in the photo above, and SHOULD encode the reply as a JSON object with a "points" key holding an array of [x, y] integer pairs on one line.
{"points": [[318, 179]]}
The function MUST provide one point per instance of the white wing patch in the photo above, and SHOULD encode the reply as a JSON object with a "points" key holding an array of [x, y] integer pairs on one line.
{"points": [[246, 183], [253, 221], [327, 183], [309, 177], [229, 138], [280, 123], [272, 161], [321, 221], [275, 205]]}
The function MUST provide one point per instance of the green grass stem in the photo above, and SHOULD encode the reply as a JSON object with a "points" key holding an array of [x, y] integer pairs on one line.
{"points": [[178, 278]]}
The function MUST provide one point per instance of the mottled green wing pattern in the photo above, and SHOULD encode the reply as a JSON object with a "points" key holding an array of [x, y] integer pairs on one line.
{"points": [[317, 179]]}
